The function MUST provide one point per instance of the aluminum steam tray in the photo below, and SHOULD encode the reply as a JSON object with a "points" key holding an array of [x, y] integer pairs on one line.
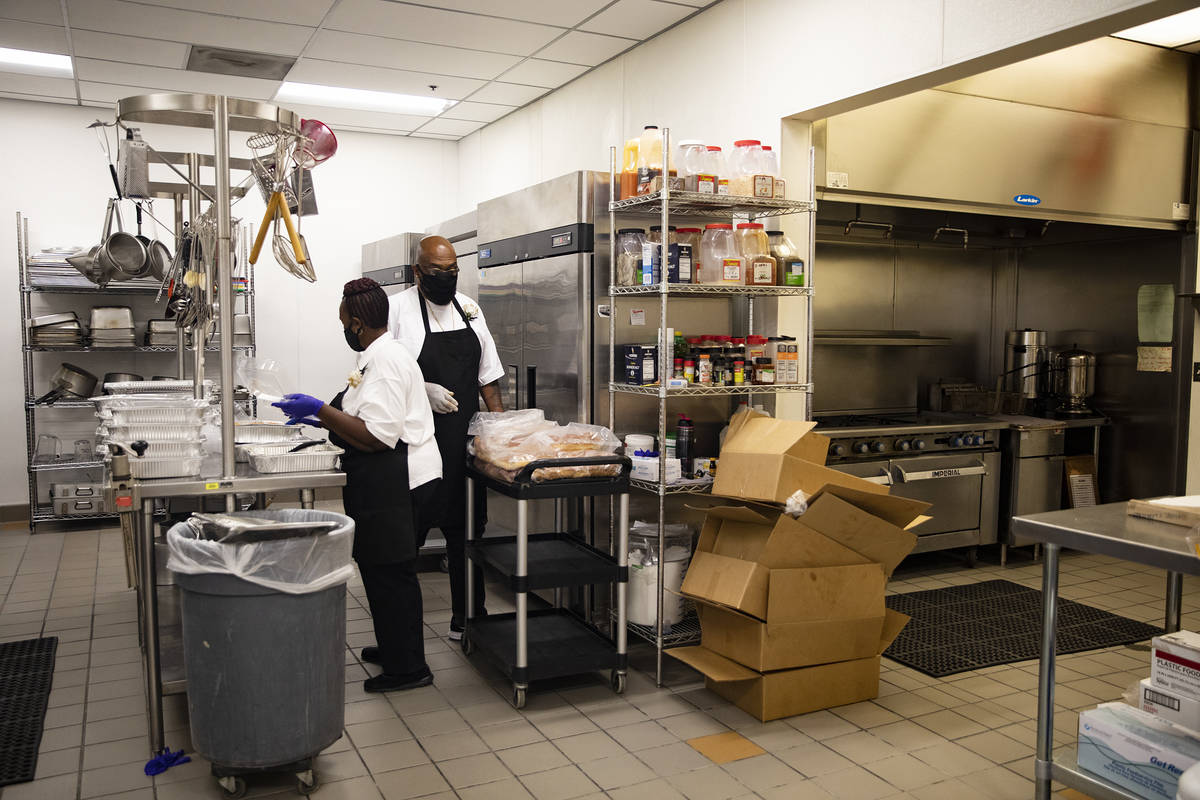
{"points": [[164, 450], [242, 451], [152, 432], [267, 433], [179, 412], [316, 458], [147, 468], [156, 387]]}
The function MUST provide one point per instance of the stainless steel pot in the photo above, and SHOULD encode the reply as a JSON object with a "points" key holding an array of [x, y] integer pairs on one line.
{"points": [[1026, 363], [69, 381], [1074, 379]]}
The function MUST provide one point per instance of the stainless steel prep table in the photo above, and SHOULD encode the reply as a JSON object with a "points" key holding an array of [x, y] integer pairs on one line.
{"points": [[246, 481], [1104, 530]]}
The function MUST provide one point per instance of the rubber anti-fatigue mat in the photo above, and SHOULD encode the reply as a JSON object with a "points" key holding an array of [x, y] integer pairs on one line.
{"points": [[26, 672], [961, 628]]}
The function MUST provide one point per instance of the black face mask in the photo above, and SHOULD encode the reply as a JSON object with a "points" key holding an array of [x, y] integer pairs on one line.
{"points": [[439, 286], [353, 340]]}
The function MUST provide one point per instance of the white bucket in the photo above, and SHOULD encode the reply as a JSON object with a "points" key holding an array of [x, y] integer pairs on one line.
{"points": [[642, 608], [638, 441]]}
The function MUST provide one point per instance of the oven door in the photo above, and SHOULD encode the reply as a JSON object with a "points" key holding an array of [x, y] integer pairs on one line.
{"points": [[961, 489], [873, 471]]}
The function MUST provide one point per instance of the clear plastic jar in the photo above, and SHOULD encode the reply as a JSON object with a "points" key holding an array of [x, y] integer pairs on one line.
{"points": [[755, 250], [629, 169], [649, 159], [689, 238], [745, 163], [718, 168], [629, 256], [720, 261], [691, 160], [771, 162], [789, 266], [655, 235]]}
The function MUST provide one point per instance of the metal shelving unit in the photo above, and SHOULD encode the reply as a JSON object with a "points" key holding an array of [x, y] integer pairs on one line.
{"points": [[663, 205], [43, 280]]}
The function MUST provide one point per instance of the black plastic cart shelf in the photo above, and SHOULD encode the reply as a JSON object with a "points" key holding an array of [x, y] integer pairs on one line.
{"points": [[533, 645]]}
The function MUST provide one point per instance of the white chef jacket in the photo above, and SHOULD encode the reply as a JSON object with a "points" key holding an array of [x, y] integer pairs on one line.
{"points": [[404, 322], [391, 402]]}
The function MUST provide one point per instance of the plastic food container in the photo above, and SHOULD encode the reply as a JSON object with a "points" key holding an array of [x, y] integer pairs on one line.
{"points": [[643, 573], [748, 173], [147, 468], [755, 250], [153, 432], [720, 261], [691, 159], [311, 459], [266, 433], [629, 256]]}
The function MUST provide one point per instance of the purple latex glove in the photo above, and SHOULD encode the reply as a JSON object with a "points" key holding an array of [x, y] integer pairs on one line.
{"points": [[316, 423], [299, 405]]}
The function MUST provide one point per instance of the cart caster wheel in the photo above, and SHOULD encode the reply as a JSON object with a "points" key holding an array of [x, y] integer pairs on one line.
{"points": [[466, 645], [518, 697], [617, 680], [972, 557], [232, 787], [307, 787]]}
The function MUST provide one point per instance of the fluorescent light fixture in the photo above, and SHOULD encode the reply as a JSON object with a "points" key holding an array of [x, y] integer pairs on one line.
{"points": [[361, 99], [1173, 31], [35, 63]]}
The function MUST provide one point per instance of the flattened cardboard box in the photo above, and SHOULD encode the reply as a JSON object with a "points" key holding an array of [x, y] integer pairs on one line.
{"points": [[785, 693]]}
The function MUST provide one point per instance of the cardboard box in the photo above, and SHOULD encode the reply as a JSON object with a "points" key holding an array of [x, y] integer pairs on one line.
{"points": [[768, 459], [785, 693], [1175, 663], [1174, 707], [1135, 750]]}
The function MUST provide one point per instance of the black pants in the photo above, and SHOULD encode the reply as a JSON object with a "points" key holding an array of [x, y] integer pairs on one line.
{"points": [[455, 534], [394, 596]]}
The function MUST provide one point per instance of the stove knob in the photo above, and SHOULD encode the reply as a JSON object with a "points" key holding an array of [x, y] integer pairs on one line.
{"points": [[918, 444], [861, 448], [837, 450], [957, 441], [902, 444], [878, 447], [978, 441]]}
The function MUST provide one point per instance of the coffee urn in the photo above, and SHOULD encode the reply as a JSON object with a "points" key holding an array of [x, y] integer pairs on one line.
{"points": [[1026, 363], [1074, 380]]}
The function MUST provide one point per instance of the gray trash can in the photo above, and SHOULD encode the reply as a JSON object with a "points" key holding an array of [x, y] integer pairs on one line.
{"points": [[264, 637]]}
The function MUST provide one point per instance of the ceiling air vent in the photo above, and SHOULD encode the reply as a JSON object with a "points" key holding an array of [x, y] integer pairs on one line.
{"points": [[241, 63]]}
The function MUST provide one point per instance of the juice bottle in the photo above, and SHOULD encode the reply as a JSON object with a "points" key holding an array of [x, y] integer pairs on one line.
{"points": [[649, 159], [629, 169]]}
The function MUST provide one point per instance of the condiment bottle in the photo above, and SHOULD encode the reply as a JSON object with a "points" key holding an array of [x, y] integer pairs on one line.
{"points": [[739, 372], [754, 247], [704, 369], [689, 370], [649, 159], [629, 169], [678, 368]]}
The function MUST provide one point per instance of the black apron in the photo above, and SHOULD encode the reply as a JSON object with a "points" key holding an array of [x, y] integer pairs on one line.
{"points": [[451, 359], [377, 498]]}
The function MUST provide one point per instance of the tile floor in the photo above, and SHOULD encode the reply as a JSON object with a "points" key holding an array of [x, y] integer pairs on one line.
{"points": [[969, 735]]}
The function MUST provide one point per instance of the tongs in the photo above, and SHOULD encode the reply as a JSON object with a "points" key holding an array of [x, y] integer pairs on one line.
{"points": [[277, 206]]}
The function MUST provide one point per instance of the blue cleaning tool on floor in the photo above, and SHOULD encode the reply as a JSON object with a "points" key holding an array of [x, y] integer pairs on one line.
{"points": [[165, 760]]}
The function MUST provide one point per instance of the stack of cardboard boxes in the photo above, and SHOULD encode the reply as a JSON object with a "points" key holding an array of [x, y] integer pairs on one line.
{"points": [[791, 609]]}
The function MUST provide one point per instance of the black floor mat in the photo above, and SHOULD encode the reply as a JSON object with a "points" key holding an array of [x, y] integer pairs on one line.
{"points": [[26, 672], [961, 628]]}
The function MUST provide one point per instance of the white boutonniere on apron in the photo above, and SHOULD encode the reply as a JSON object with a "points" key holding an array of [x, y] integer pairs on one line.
{"points": [[471, 310], [355, 379]]}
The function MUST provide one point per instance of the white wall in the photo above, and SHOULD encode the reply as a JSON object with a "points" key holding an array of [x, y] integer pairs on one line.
{"points": [[739, 67], [376, 186]]}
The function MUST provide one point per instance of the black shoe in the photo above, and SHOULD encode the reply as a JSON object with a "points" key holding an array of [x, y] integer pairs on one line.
{"points": [[371, 655], [398, 683], [456, 631]]}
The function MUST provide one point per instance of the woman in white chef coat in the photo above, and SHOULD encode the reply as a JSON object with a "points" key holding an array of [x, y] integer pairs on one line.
{"points": [[383, 421]]}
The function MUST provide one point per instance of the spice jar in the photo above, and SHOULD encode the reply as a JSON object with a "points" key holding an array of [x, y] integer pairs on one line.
{"points": [[629, 256], [748, 176], [689, 370], [720, 261], [764, 371], [678, 368], [691, 160], [771, 164], [689, 254], [704, 369], [739, 372], [718, 167], [789, 266], [754, 247]]}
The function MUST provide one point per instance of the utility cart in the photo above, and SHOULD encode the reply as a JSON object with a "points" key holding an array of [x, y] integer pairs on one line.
{"points": [[549, 643]]}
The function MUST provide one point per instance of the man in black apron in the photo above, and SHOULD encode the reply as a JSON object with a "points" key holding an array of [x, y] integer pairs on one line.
{"points": [[450, 361], [377, 494]]}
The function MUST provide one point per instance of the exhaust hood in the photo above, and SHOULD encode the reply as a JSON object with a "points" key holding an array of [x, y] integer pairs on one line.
{"points": [[1098, 133]]}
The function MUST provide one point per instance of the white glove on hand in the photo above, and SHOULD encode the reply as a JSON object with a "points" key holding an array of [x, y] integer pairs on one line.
{"points": [[441, 399]]}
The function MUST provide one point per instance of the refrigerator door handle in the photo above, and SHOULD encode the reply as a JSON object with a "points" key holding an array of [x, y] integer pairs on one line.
{"points": [[531, 386], [515, 386]]}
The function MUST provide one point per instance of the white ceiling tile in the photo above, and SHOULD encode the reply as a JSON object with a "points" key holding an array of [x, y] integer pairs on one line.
{"points": [[591, 49], [356, 48], [39, 98], [171, 24], [536, 72], [356, 76], [335, 117], [478, 112], [32, 11], [435, 26], [449, 137], [37, 84], [113, 47], [298, 12], [173, 80], [565, 13], [452, 127], [636, 19], [695, 3], [32, 36], [512, 94]]}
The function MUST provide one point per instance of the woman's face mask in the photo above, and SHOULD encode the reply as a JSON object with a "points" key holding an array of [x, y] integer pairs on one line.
{"points": [[352, 340]]}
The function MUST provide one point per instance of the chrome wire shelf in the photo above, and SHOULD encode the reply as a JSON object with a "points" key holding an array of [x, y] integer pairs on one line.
{"points": [[135, 349], [45, 513], [700, 390], [686, 631], [30, 403], [717, 206], [714, 290], [61, 465], [653, 487]]}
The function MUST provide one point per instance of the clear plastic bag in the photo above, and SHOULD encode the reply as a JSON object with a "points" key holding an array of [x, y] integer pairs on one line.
{"points": [[295, 565], [260, 376], [506, 441]]}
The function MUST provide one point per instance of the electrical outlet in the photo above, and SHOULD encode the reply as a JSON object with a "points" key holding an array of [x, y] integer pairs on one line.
{"points": [[1196, 371]]}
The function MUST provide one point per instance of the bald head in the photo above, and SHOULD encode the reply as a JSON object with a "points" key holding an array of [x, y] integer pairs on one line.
{"points": [[436, 252]]}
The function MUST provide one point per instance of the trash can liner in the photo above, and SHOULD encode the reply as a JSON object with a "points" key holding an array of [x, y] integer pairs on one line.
{"points": [[298, 565]]}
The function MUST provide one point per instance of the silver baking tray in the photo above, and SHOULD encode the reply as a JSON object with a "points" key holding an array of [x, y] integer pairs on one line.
{"points": [[312, 459]]}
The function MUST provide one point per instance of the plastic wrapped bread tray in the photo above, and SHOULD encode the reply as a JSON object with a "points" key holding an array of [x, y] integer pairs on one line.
{"points": [[311, 459], [523, 485]]}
